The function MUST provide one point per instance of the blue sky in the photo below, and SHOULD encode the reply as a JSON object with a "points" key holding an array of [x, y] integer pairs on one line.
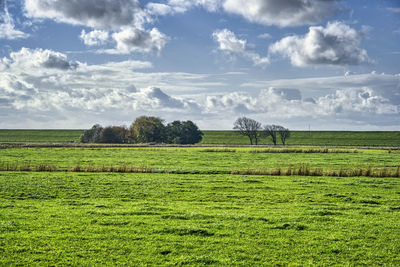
{"points": [[330, 64]]}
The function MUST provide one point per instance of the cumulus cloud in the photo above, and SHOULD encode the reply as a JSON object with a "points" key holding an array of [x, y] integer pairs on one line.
{"points": [[154, 97], [95, 37], [267, 12], [161, 9], [7, 27], [229, 43], [282, 13], [34, 92], [103, 14], [336, 44], [132, 39], [181, 6], [123, 20], [360, 105], [40, 59]]}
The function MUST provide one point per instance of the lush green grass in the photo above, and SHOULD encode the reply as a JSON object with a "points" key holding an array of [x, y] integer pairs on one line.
{"points": [[159, 219], [195, 159], [321, 138], [52, 136], [204, 217]]}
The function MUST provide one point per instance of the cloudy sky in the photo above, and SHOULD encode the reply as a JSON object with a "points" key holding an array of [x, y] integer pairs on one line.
{"points": [[330, 64]]}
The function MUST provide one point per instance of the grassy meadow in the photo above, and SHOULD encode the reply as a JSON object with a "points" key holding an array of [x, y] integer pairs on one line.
{"points": [[197, 219], [315, 138], [50, 136], [204, 205]]}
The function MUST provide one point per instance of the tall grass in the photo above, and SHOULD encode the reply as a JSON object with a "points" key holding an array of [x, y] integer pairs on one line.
{"points": [[305, 170], [299, 170], [283, 150]]}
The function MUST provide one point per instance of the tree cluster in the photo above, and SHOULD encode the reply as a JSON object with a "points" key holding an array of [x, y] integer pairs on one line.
{"points": [[145, 129], [254, 130]]}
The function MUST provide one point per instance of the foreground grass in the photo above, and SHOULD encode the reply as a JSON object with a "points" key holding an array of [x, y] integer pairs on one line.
{"points": [[316, 138], [162, 219]]}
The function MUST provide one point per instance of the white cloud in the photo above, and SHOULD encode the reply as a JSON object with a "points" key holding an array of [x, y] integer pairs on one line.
{"points": [[160, 9], [394, 9], [95, 37], [101, 14], [135, 40], [229, 43], [37, 60], [123, 20], [181, 6], [264, 36], [282, 13], [336, 44], [7, 27], [34, 95]]}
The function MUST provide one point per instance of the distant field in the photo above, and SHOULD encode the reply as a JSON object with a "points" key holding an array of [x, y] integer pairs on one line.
{"points": [[318, 138], [52, 136]]}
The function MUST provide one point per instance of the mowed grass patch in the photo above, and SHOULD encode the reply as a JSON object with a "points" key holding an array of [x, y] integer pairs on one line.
{"points": [[162, 219]]}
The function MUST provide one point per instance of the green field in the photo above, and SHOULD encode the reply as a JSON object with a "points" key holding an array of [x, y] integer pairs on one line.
{"points": [[168, 219], [204, 205], [51, 136], [197, 159], [317, 138]]}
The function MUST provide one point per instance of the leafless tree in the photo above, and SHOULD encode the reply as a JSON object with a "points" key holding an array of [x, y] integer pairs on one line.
{"points": [[284, 134], [271, 130], [248, 127], [274, 131]]}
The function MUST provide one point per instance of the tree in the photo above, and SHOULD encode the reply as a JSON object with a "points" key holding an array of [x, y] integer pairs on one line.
{"points": [[284, 134], [271, 130], [147, 130], [185, 132], [121, 134], [92, 135], [248, 127]]}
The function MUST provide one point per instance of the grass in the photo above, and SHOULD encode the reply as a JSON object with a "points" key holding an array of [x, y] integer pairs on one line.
{"points": [[315, 138], [170, 219], [198, 159], [67, 204], [57, 136]]}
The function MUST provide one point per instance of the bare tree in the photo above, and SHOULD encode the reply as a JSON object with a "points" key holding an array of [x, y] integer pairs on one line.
{"points": [[284, 134], [271, 130], [248, 127]]}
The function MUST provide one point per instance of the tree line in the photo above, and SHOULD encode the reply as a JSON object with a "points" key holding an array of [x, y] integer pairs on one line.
{"points": [[145, 129], [254, 130]]}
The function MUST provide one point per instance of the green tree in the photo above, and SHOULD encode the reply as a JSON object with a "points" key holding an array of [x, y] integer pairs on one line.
{"points": [[92, 135], [147, 130], [185, 132]]}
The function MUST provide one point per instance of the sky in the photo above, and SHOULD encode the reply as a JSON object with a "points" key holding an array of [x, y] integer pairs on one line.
{"points": [[303, 64]]}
